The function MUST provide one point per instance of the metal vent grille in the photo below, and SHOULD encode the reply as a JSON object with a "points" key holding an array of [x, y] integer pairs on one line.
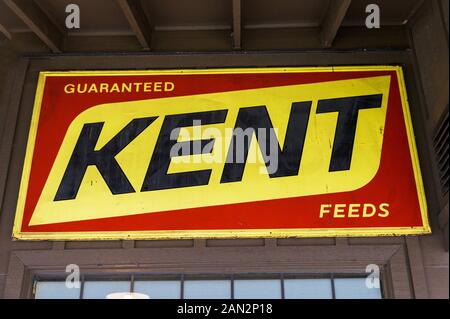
{"points": [[440, 142]]}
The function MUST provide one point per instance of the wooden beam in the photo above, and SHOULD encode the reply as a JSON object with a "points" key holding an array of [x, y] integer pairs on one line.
{"points": [[38, 22], [333, 20], [5, 32], [443, 223], [237, 24], [138, 21]]}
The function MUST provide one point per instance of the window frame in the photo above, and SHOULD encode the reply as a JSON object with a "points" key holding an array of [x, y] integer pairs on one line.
{"points": [[181, 277]]}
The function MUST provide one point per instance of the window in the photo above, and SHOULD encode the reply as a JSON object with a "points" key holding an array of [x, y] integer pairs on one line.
{"points": [[159, 289], [354, 288], [255, 286], [214, 289], [100, 289], [257, 289], [55, 290], [308, 289]]}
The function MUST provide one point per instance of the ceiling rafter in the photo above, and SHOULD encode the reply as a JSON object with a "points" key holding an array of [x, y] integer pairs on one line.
{"points": [[4, 31], [332, 21], [237, 24], [38, 22], [138, 21]]}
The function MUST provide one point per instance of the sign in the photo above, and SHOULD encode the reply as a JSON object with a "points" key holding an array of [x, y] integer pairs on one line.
{"points": [[274, 152]]}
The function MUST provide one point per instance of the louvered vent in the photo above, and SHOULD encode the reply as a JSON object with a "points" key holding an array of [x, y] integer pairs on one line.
{"points": [[440, 142]]}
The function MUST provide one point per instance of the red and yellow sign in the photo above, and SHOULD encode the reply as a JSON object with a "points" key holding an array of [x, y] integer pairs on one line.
{"points": [[275, 152]]}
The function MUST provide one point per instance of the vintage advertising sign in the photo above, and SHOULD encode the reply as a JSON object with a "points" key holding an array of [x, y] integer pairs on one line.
{"points": [[273, 152]]}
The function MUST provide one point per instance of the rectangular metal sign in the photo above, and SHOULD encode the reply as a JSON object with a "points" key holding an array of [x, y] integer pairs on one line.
{"points": [[272, 152]]}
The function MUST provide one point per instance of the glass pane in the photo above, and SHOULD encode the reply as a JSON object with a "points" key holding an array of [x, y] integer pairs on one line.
{"points": [[100, 289], [207, 289], [258, 289], [307, 289], [55, 290], [159, 289], [355, 288]]}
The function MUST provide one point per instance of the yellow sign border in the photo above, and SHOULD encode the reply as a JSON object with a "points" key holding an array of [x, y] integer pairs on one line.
{"points": [[232, 233]]}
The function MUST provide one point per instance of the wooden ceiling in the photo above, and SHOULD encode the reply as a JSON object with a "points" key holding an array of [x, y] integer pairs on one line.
{"points": [[203, 25]]}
